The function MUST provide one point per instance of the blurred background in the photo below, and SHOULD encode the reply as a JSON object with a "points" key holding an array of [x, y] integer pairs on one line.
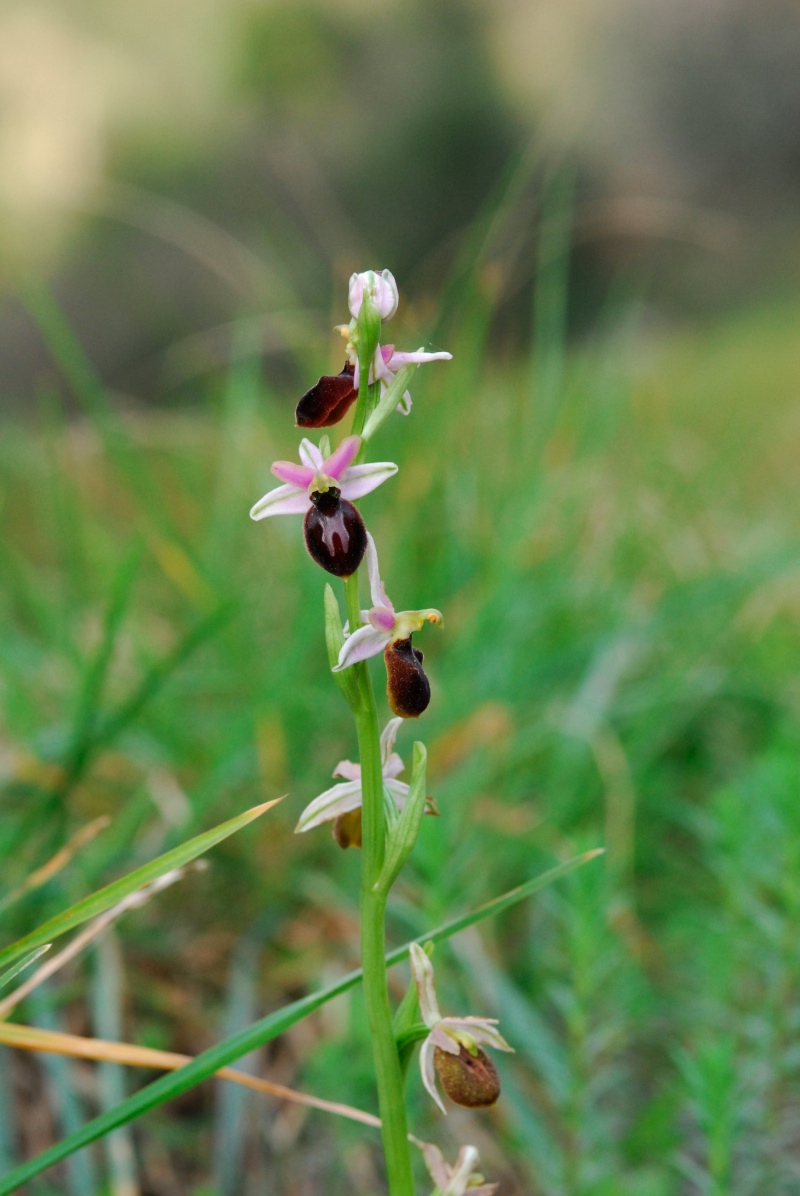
{"points": [[596, 208]]}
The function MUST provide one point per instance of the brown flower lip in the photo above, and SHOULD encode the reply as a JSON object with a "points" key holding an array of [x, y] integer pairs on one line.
{"points": [[469, 1080], [407, 687], [328, 401], [334, 531]]}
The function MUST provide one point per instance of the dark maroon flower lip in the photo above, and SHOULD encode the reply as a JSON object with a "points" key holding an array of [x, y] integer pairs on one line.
{"points": [[334, 531], [327, 402]]}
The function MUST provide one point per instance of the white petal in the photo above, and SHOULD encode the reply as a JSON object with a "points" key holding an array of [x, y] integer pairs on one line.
{"points": [[283, 500], [420, 357], [364, 619], [363, 479], [404, 406], [441, 1039], [361, 645], [393, 767], [339, 799], [310, 455], [467, 1161], [481, 1029], [422, 971], [348, 770], [437, 1168], [389, 733], [429, 1071], [376, 587], [399, 791]]}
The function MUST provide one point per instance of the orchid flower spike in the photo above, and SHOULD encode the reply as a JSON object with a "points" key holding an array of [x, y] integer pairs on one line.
{"points": [[389, 631], [381, 287], [346, 797], [459, 1180], [322, 487], [452, 1047]]}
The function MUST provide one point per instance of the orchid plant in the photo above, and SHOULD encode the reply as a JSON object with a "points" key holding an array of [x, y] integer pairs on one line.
{"points": [[369, 806]]}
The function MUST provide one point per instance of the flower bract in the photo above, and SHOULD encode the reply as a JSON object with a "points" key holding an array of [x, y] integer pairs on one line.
{"points": [[448, 1034]]}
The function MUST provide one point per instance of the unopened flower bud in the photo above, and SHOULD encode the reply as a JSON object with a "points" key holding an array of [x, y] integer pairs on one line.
{"points": [[334, 531], [382, 289], [469, 1080], [407, 687], [328, 401]]}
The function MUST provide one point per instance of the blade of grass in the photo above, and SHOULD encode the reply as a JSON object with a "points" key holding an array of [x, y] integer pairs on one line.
{"points": [[156, 676], [21, 964], [94, 679], [69, 356], [67, 1105], [56, 862], [219, 1056], [107, 997], [231, 1103], [32, 1038], [105, 898], [54, 964], [551, 295]]}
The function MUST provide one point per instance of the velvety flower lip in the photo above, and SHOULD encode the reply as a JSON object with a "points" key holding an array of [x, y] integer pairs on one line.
{"points": [[449, 1034], [460, 1179], [387, 361], [382, 287], [342, 798], [328, 401], [383, 625], [315, 472]]}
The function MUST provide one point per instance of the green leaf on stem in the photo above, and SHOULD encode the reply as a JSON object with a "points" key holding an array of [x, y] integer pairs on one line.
{"points": [[203, 1066], [334, 638], [392, 396], [402, 835], [105, 898]]}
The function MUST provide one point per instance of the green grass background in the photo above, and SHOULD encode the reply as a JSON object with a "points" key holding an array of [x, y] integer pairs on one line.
{"points": [[612, 535]]}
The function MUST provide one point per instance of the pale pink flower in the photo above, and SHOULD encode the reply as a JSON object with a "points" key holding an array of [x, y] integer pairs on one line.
{"points": [[342, 798], [383, 625], [383, 289], [450, 1034], [387, 361], [460, 1179], [316, 472]]}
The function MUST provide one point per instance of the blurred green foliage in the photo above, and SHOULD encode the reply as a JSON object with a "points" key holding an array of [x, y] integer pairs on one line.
{"points": [[619, 577]]}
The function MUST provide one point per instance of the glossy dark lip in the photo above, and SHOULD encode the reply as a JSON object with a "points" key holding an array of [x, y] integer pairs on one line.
{"points": [[328, 400]]}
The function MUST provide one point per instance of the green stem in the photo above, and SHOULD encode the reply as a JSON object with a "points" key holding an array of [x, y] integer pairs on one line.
{"points": [[388, 1071]]}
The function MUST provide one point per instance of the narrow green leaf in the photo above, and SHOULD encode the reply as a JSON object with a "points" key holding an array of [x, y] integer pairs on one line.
{"points": [[170, 1086], [102, 900], [334, 638], [403, 835], [22, 964]]}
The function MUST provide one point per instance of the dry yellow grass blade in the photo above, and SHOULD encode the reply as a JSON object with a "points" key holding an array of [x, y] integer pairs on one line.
{"points": [[30, 1038], [134, 900], [59, 860]]}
